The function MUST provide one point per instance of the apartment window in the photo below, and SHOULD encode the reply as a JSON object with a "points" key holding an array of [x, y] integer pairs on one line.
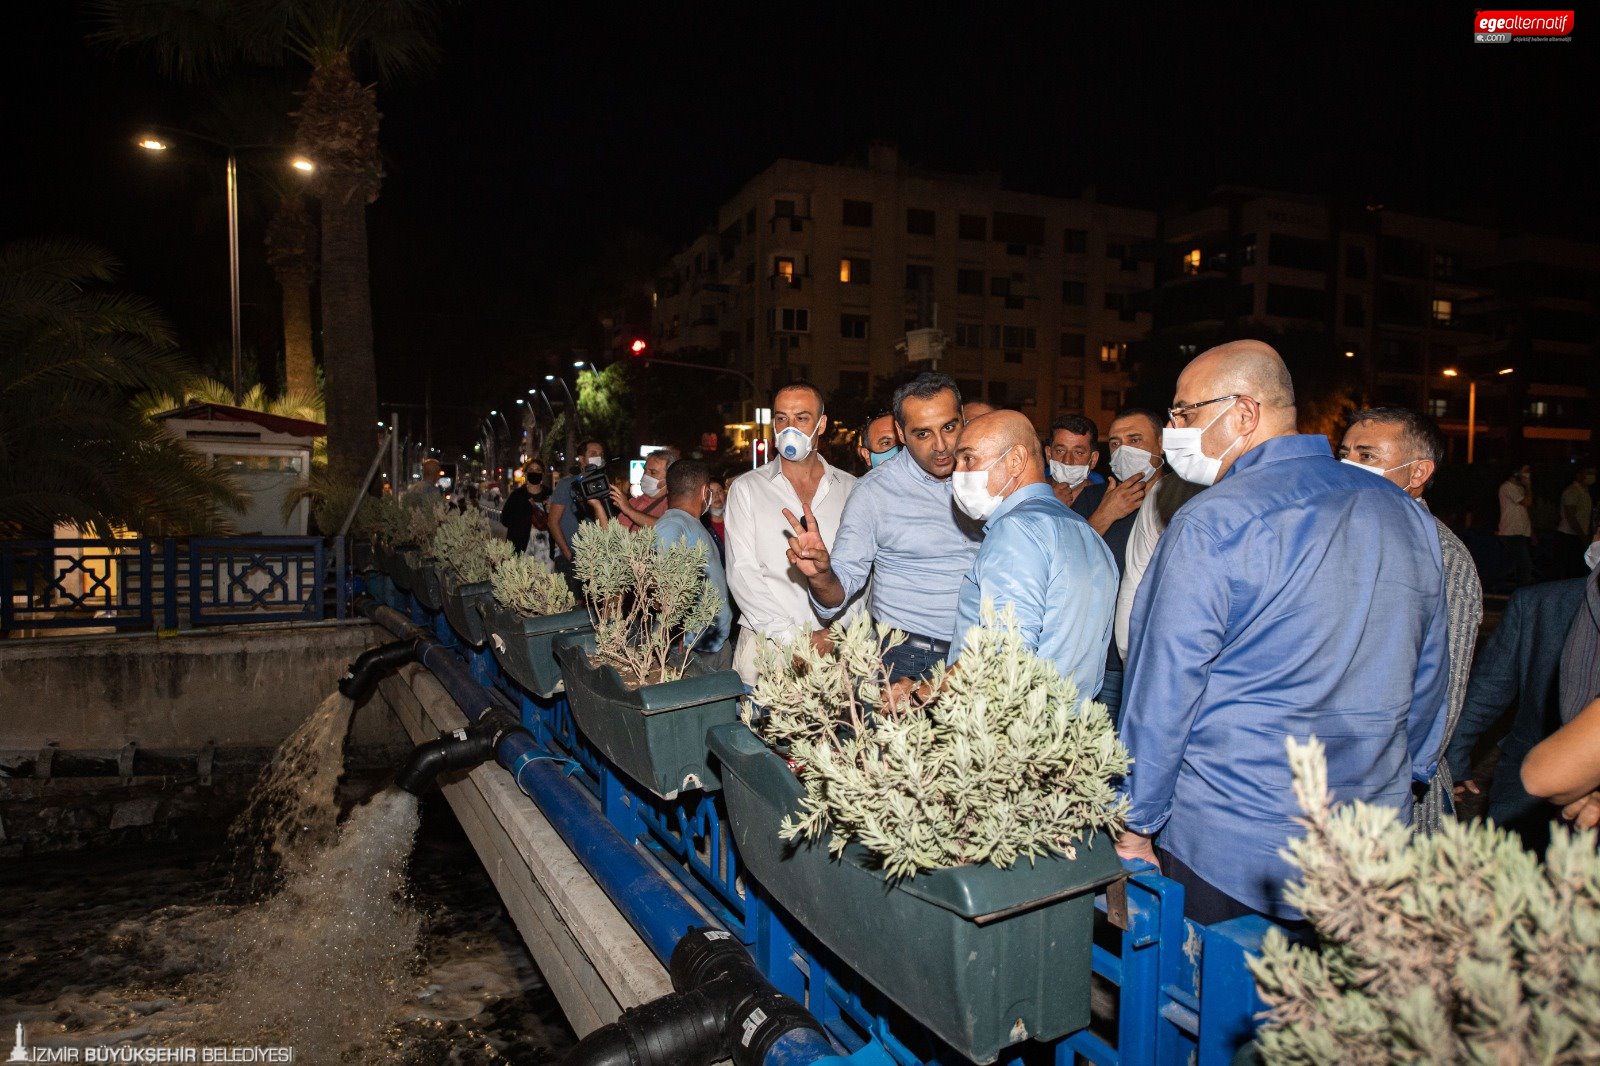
{"points": [[1442, 311], [919, 222], [972, 228], [1116, 301], [919, 278], [1072, 345], [783, 267], [1539, 408], [1116, 251], [1074, 293], [1355, 261], [1112, 353], [1110, 400], [969, 282], [1191, 261], [794, 320], [1012, 228], [1247, 250], [783, 209], [853, 327], [1444, 265], [1437, 406], [853, 271], [1072, 397], [858, 213], [1075, 241], [1019, 337], [1355, 311], [1298, 253], [1000, 285], [969, 334], [1013, 357], [1294, 301]]}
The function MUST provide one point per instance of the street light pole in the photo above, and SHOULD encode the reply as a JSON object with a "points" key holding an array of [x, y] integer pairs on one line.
{"points": [[233, 275], [1472, 416]]}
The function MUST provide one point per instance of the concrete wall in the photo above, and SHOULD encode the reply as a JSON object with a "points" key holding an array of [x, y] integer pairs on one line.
{"points": [[240, 686]]}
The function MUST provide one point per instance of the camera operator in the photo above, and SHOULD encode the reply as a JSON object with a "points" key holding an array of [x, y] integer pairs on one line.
{"points": [[572, 503]]}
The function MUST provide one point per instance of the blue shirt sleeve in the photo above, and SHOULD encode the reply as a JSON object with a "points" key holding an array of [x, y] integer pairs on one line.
{"points": [[1011, 570], [1169, 664], [854, 548]]}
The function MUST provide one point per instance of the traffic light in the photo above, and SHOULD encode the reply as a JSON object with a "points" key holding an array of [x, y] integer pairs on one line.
{"points": [[761, 448], [639, 346]]}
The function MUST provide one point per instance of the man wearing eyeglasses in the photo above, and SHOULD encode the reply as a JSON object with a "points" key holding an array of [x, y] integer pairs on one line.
{"points": [[1296, 597]]}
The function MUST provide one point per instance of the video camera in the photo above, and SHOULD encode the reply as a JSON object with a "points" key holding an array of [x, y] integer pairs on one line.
{"points": [[593, 485]]}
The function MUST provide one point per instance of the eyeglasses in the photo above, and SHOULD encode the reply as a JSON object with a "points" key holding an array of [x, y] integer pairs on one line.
{"points": [[1181, 413]]}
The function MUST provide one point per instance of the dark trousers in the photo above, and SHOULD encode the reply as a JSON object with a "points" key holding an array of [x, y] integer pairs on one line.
{"points": [[1207, 904], [1519, 559], [906, 661], [1111, 695]]}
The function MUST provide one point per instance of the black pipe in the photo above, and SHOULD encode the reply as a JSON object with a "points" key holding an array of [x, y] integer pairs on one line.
{"points": [[723, 1007], [459, 750], [371, 666]]}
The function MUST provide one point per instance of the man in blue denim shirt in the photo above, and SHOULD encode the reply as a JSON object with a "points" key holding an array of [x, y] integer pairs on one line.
{"points": [[1039, 557], [901, 529], [688, 497], [1296, 597]]}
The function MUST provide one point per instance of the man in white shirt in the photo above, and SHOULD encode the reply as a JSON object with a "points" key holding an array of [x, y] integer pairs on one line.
{"points": [[1166, 494], [773, 597]]}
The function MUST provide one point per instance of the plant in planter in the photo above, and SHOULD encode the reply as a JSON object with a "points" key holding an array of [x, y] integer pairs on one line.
{"points": [[1455, 947], [644, 598], [464, 544], [525, 585], [1002, 762], [900, 844]]}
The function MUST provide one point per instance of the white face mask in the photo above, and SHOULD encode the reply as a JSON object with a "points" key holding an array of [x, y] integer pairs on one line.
{"points": [[1070, 476], [971, 488], [793, 444], [649, 485], [1128, 461], [1591, 554], [1187, 457], [1375, 469], [594, 461]]}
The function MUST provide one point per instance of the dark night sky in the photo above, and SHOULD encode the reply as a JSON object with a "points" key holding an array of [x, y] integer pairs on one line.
{"points": [[549, 139]]}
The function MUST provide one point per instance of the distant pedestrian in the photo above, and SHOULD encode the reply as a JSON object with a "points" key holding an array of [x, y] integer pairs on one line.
{"points": [[1575, 530], [1516, 525], [524, 511]]}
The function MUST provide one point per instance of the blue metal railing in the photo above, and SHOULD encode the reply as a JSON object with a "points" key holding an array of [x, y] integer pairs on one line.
{"points": [[1153, 963], [144, 584]]}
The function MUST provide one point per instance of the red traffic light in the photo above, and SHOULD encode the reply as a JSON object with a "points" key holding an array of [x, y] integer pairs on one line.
{"points": [[638, 346]]}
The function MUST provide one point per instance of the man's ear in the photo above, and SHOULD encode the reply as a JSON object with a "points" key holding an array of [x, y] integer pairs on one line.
{"points": [[1421, 473], [822, 426], [899, 433], [1094, 458]]}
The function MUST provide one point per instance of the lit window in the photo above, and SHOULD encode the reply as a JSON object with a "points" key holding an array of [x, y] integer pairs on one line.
{"points": [[855, 271], [1112, 353], [784, 268], [844, 271], [1442, 310], [655, 298], [1437, 406], [1191, 261]]}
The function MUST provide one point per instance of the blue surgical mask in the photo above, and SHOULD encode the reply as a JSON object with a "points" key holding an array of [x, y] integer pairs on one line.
{"points": [[879, 458]]}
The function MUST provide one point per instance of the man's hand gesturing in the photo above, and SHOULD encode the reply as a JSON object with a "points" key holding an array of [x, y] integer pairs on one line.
{"points": [[807, 552]]}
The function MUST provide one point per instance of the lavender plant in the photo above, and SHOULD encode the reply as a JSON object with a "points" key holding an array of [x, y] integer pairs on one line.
{"points": [[463, 543], [527, 586], [645, 599], [1455, 947], [1001, 762]]}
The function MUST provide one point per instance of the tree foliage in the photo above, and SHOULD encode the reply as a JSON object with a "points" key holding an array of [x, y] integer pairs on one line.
{"points": [[647, 600], [1455, 947], [1002, 762], [74, 445]]}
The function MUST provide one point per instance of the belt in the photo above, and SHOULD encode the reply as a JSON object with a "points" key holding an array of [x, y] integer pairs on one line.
{"points": [[928, 644]]}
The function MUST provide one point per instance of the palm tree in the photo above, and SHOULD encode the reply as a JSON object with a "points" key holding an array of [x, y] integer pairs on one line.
{"points": [[337, 126], [291, 250], [74, 447]]}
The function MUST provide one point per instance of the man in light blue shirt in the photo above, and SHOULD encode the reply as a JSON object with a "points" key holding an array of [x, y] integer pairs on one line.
{"points": [[688, 497], [1296, 597], [1039, 557], [900, 529]]}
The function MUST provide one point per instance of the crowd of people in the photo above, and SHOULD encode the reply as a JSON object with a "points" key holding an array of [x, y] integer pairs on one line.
{"points": [[1231, 584]]}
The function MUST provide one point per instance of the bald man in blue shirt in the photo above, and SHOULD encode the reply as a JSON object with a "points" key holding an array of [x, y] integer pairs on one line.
{"points": [[1296, 597]]}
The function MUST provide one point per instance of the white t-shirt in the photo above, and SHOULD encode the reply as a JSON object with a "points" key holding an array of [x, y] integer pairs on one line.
{"points": [[1514, 520], [1155, 511]]}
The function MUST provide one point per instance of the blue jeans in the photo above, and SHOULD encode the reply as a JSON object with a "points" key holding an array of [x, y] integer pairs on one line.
{"points": [[906, 661], [1111, 695]]}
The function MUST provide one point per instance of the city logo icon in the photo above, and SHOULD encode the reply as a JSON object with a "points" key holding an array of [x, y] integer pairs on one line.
{"points": [[19, 1050], [1504, 27]]}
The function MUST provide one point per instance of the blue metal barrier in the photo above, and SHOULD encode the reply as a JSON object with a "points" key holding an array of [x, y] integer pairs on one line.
{"points": [[142, 584], [1151, 960]]}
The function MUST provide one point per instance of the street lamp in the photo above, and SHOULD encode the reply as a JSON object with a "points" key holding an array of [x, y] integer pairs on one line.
{"points": [[1472, 402], [152, 143]]}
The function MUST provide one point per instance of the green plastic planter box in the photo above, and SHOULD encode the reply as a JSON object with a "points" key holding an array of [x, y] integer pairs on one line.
{"points": [[655, 734], [983, 957], [426, 587], [522, 645], [401, 565], [461, 605]]}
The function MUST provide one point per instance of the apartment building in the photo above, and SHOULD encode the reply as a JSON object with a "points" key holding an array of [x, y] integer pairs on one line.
{"points": [[1436, 315], [817, 272]]}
